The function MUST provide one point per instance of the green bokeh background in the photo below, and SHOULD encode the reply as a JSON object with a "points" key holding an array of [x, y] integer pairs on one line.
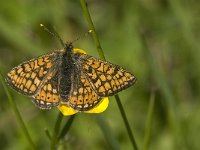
{"points": [[157, 40]]}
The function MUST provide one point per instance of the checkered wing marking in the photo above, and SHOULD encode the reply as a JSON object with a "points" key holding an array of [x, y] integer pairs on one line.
{"points": [[27, 77], [83, 97], [48, 95], [106, 78]]}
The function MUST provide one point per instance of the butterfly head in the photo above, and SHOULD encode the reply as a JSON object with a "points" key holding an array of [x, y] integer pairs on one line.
{"points": [[68, 47]]}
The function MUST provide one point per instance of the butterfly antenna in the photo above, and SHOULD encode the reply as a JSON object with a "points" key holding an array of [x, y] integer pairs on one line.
{"points": [[54, 33], [81, 36]]}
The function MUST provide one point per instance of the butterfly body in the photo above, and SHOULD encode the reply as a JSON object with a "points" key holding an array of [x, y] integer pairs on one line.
{"points": [[68, 77], [67, 69]]}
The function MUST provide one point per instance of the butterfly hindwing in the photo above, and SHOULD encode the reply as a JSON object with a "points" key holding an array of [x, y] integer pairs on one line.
{"points": [[83, 97], [106, 78], [27, 77], [48, 94]]}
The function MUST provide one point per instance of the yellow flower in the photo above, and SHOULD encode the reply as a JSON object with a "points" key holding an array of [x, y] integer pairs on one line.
{"points": [[66, 110]]}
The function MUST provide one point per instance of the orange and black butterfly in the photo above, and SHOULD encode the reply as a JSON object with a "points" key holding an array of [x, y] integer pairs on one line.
{"points": [[69, 77]]}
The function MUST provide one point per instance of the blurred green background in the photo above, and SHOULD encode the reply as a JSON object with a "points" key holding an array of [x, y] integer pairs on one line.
{"points": [[156, 40]]}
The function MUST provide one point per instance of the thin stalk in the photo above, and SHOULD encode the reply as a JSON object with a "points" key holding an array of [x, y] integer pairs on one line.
{"points": [[66, 127], [102, 56], [149, 121], [107, 132], [17, 114], [169, 98], [128, 128], [54, 139], [48, 134], [91, 26]]}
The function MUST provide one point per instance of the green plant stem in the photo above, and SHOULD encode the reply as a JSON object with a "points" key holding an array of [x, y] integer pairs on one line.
{"points": [[107, 132], [128, 128], [91, 25], [17, 113], [47, 134], [66, 127], [169, 98], [149, 122], [54, 139], [102, 56]]}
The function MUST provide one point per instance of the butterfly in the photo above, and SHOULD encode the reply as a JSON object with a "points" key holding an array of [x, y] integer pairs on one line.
{"points": [[68, 76]]}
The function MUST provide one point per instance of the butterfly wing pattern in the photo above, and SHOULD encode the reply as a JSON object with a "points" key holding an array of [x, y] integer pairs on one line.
{"points": [[48, 95], [106, 78], [83, 97], [34, 78], [72, 78], [27, 77]]}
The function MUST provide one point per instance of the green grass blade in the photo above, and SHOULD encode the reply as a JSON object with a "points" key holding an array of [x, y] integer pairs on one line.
{"points": [[66, 127], [54, 139], [48, 134], [112, 142], [169, 99], [128, 128], [91, 26], [17, 113], [149, 121]]}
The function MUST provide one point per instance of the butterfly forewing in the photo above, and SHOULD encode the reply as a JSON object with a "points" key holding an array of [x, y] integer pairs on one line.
{"points": [[27, 77], [106, 78]]}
